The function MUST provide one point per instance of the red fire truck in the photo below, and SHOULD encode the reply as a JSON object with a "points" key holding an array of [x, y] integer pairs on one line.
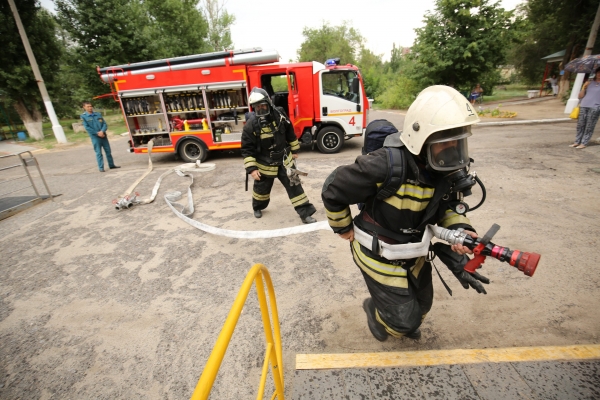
{"points": [[195, 104]]}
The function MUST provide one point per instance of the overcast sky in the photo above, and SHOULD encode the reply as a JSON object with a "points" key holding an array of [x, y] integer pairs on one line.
{"points": [[278, 25]]}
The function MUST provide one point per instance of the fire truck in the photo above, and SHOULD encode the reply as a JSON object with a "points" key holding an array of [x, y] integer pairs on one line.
{"points": [[195, 104]]}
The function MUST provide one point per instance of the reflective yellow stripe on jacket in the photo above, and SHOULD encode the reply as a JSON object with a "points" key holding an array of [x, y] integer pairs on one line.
{"points": [[385, 274], [339, 219], [411, 197], [267, 170], [295, 145]]}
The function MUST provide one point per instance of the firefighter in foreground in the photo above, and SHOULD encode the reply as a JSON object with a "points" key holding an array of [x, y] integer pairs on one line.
{"points": [[269, 148], [433, 150]]}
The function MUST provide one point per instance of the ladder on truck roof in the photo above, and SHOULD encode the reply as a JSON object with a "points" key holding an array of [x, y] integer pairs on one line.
{"points": [[217, 59]]}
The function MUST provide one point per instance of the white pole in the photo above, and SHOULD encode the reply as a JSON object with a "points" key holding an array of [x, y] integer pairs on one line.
{"points": [[59, 133], [574, 100]]}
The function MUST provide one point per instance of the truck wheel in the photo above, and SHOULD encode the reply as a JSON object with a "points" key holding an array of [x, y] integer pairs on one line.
{"points": [[330, 139], [192, 150]]}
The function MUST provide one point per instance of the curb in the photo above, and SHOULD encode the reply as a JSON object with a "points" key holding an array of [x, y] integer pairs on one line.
{"points": [[532, 121]]}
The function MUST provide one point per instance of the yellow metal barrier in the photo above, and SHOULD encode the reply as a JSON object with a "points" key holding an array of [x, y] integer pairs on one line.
{"points": [[273, 348]]}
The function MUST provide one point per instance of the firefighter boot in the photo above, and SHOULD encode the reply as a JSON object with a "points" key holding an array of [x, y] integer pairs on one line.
{"points": [[257, 213], [415, 335], [374, 326], [309, 220]]}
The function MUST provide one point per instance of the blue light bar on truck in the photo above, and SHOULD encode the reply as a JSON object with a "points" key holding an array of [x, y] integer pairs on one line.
{"points": [[332, 62]]}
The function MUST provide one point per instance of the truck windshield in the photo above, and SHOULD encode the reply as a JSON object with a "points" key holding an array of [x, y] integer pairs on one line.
{"points": [[342, 84]]}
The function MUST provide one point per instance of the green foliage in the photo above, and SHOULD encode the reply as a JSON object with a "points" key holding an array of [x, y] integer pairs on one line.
{"points": [[17, 81], [114, 119], [371, 68], [177, 28], [397, 88], [328, 41], [114, 32], [548, 26], [400, 92], [279, 83], [219, 22], [461, 43], [346, 43]]}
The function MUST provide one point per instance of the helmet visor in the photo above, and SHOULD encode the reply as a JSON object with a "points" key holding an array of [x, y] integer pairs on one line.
{"points": [[261, 109], [448, 150]]}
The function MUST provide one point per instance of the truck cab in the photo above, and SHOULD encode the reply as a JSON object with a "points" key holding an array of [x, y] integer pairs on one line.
{"points": [[326, 105]]}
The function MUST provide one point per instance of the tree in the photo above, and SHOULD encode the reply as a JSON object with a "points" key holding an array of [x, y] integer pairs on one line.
{"points": [[371, 69], [461, 42], [550, 26], [178, 28], [328, 41], [399, 89], [219, 23], [17, 81], [113, 32]]}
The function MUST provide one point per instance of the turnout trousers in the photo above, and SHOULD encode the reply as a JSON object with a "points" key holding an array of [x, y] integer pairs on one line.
{"points": [[399, 310], [99, 144], [261, 194]]}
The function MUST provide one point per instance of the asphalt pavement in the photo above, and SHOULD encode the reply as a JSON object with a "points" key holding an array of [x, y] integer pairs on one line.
{"points": [[128, 304]]}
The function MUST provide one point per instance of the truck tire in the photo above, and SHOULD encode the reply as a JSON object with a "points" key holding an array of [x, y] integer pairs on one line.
{"points": [[192, 150], [330, 139]]}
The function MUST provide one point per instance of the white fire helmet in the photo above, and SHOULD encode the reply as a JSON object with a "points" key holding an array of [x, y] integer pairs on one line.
{"points": [[258, 99], [440, 118]]}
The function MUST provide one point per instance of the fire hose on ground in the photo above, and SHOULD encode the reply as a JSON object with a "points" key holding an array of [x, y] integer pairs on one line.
{"points": [[131, 198], [481, 247]]}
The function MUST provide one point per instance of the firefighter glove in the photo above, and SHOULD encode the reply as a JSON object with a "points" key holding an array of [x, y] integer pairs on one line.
{"points": [[456, 263], [473, 280], [294, 174]]}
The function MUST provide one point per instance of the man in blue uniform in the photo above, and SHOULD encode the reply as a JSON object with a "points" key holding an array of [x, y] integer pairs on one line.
{"points": [[96, 127]]}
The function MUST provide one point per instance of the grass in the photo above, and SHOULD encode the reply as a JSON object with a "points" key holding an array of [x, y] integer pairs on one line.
{"points": [[501, 93], [114, 119], [506, 92]]}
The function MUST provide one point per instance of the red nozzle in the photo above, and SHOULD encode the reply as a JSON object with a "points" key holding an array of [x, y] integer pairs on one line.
{"points": [[525, 262]]}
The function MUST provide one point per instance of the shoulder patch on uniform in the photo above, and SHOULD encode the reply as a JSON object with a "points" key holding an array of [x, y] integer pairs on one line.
{"points": [[329, 179]]}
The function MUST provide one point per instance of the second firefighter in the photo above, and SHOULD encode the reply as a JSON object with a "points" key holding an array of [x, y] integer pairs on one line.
{"points": [[269, 148]]}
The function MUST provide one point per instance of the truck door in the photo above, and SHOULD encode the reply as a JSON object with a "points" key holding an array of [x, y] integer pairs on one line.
{"points": [[293, 98], [341, 100]]}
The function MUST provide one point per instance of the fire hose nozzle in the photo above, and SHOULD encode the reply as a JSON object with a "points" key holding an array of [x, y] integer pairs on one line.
{"points": [[525, 262], [482, 247], [126, 202]]}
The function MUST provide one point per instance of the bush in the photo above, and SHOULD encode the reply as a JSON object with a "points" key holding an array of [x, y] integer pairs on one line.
{"points": [[400, 93]]}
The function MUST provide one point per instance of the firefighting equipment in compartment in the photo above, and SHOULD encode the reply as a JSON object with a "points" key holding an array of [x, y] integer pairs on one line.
{"points": [[218, 133], [184, 102], [137, 106], [436, 109], [198, 121], [177, 123]]}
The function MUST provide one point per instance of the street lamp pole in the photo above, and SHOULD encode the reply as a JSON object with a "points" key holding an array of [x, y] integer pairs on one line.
{"points": [[59, 133], [574, 99]]}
